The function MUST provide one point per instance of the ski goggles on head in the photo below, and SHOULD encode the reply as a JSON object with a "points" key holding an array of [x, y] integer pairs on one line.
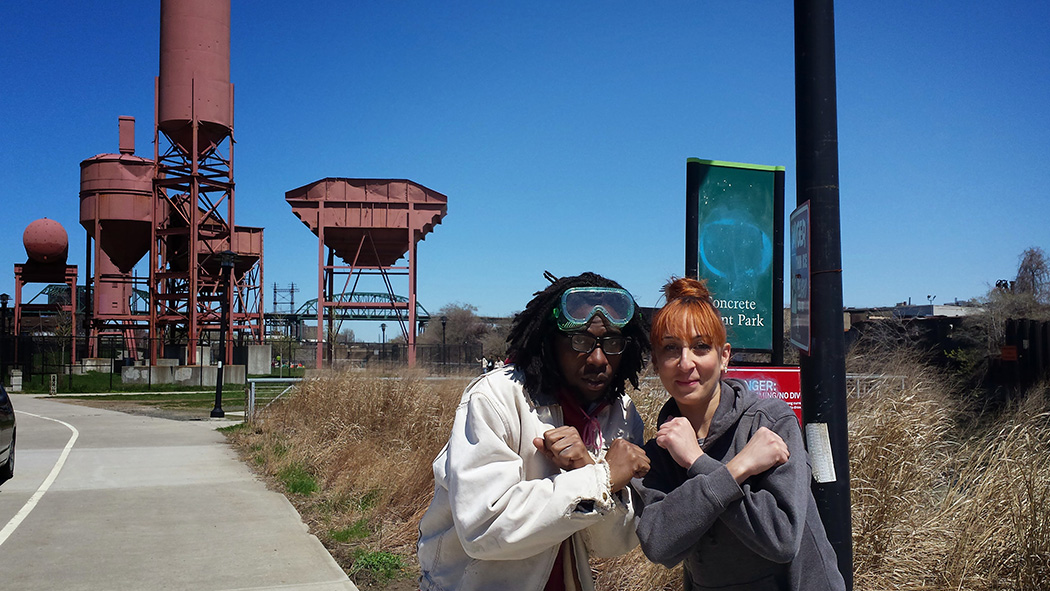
{"points": [[578, 306]]}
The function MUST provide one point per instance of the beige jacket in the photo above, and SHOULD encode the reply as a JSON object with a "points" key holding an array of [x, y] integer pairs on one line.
{"points": [[501, 509]]}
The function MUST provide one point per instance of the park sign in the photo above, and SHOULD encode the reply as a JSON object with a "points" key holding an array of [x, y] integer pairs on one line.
{"points": [[734, 241]]}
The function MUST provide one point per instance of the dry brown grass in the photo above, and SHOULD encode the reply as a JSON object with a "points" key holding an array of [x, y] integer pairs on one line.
{"points": [[942, 499], [936, 504], [369, 441]]}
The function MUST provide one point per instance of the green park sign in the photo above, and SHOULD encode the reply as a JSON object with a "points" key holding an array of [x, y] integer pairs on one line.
{"points": [[735, 240]]}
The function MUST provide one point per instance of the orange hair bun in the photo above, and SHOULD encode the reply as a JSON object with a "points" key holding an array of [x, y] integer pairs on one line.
{"points": [[687, 312], [686, 287]]}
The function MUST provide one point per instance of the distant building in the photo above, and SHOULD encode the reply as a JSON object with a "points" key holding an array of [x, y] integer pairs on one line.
{"points": [[935, 310]]}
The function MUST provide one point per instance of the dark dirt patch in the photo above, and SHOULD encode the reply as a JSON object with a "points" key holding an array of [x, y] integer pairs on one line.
{"points": [[143, 409], [398, 585]]}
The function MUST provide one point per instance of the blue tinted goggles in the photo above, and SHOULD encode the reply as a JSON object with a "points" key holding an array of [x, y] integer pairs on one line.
{"points": [[579, 305]]}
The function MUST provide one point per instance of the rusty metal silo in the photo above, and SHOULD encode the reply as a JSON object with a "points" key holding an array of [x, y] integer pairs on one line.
{"points": [[116, 210], [194, 82], [116, 203], [194, 188]]}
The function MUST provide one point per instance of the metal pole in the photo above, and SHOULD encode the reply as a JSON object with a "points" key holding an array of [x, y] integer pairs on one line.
{"points": [[382, 344], [777, 357], [249, 413], [692, 218], [217, 411], [4, 298], [824, 368], [226, 265], [444, 355]]}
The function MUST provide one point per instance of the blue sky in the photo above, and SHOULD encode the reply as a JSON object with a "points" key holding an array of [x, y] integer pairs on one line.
{"points": [[560, 130]]}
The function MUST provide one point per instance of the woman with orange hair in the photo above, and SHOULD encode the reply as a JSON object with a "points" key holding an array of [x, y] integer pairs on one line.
{"points": [[728, 490]]}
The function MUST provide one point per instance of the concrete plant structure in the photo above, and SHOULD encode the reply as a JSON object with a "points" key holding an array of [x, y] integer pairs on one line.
{"points": [[201, 263], [116, 210], [370, 224], [47, 246]]}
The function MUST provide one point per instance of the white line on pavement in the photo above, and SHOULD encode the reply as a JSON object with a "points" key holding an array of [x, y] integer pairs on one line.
{"points": [[33, 500]]}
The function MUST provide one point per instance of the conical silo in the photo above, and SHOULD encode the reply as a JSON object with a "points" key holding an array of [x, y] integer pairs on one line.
{"points": [[116, 203], [194, 80]]}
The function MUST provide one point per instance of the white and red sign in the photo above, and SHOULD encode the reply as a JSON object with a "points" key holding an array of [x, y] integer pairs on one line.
{"points": [[784, 383]]}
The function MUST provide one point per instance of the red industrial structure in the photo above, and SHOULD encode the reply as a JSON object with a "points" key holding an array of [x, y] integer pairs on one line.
{"points": [[205, 274], [47, 246], [370, 224], [116, 210], [201, 261]]}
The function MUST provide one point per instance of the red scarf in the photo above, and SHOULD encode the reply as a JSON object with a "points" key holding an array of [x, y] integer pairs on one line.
{"points": [[587, 424], [591, 432]]}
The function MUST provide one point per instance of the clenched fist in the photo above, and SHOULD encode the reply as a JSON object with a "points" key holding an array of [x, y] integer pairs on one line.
{"points": [[763, 451], [564, 447], [626, 461]]}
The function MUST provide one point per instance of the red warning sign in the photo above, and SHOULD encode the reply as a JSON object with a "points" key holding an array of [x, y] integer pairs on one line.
{"points": [[1008, 353], [784, 383]]}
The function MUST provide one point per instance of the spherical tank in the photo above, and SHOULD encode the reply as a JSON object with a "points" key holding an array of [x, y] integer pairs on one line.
{"points": [[195, 72], [46, 241], [116, 205]]}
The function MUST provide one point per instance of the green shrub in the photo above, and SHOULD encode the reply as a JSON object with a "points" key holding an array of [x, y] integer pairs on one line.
{"points": [[297, 480], [359, 530], [384, 566]]}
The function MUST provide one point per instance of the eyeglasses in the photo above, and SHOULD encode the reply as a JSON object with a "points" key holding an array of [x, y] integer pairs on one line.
{"points": [[578, 306], [585, 342]]}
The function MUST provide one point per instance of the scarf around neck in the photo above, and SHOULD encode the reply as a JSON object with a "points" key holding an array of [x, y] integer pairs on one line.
{"points": [[586, 423]]}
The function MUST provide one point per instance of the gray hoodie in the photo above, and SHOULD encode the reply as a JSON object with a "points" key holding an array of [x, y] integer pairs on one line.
{"points": [[763, 534]]}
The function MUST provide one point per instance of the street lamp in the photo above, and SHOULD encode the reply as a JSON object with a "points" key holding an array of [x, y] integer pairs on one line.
{"points": [[444, 357], [227, 260], [4, 298], [382, 345]]}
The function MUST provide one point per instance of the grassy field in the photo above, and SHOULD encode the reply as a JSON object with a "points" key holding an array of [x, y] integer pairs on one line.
{"points": [[177, 405], [943, 496]]}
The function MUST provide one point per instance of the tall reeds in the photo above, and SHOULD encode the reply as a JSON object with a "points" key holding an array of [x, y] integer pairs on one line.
{"points": [[941, 498]]}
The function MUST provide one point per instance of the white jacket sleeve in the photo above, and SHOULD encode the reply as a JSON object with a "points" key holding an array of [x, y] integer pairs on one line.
{"points": [[498, 513]]}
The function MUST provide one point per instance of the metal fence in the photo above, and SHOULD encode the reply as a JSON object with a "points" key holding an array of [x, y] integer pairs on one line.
{"points": [[863, 384], [262, 392]]}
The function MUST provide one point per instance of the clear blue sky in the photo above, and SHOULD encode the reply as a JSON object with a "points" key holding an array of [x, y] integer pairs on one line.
{"points": [[560, 130]]}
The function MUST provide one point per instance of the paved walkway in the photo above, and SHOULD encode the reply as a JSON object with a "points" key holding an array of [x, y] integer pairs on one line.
{"points": [[104, 500]]}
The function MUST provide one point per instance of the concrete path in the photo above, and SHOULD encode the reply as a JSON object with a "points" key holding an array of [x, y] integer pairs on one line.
{"points": [[103, 500]]}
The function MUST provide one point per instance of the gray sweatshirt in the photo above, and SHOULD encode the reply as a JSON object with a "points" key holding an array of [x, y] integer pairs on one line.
{"points": [[763, 534]]}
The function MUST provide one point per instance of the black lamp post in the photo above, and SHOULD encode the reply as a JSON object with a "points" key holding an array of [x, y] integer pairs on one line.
{"points": [[4, 298], [382, 345], [444, 357], [227, 260]]}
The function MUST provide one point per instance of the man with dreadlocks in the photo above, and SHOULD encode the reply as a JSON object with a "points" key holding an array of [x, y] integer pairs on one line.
{"points": [[532, 480]]}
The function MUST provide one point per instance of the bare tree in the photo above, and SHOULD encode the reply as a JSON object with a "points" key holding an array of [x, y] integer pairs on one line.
{"points": [[462, 326], [1033, 276]]}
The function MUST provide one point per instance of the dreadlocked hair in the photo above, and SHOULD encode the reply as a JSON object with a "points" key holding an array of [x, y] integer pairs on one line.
{"points": [[531, 346]]}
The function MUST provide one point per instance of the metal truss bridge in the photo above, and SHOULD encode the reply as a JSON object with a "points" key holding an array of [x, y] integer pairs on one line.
{"points": [[308, 311]]}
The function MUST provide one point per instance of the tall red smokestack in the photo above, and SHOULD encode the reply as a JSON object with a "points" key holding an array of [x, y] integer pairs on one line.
{"points": [[195, 72]]}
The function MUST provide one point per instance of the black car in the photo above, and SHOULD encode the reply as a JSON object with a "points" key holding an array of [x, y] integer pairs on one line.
{"points": [[7, 437]]}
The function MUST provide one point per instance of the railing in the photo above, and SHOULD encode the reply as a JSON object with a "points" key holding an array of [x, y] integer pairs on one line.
{"points": [[266, 391], [862, 384]]}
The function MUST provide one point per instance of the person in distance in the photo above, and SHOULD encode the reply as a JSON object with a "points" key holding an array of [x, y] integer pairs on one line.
{"points": [[534, 477]]}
